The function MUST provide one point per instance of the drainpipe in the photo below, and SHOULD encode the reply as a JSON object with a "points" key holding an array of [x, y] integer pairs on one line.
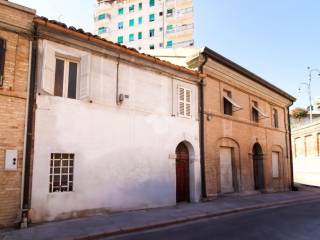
{"points": [[202, 140], [118, 102], [293, 188], [25, 133], [29, 137]]}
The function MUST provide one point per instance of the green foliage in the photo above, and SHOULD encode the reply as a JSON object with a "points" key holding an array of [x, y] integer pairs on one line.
{"points": [[299, 113]]}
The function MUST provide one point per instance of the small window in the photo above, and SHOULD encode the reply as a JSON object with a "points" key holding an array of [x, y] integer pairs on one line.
{"points": [[169, 28], [275, 164], [151, 3], [161, 45], [140, 6], [66, 75], [120, 39], [120, 25], [151, 33], [102, 30], [184, 102], [169, 44], [102, 16], [275, 120], [139, 35], [151, 18], [131, 8], [227, 105], [160, 29], [170, 12], [2, 59], [120, 11], [61, 172], [254, 112], [160, 14], [151, 46], [131, 37], [140, 20], [131, 22]]}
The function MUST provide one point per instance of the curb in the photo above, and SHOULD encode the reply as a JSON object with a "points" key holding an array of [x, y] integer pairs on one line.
{"points": [[195, 218]]}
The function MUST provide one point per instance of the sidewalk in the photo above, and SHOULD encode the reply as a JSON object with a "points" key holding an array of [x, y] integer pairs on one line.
{"points": [[117, 223]]}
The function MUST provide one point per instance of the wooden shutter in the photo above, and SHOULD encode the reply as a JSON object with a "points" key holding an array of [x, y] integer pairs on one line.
{"points": [[2, 59], [188, 102], [85, 73], [48, 76], [181, 105]]}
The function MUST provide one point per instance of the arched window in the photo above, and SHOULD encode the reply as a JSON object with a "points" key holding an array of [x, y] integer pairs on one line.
{"points": [[275, 120]]}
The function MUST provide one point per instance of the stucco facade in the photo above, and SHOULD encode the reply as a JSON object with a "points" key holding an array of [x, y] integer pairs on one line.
{"points": [[15, 52], [238, 132], [121, 130], [306, 153]]}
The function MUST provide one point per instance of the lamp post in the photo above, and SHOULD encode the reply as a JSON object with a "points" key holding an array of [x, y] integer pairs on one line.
{"points": [[311, 71]]}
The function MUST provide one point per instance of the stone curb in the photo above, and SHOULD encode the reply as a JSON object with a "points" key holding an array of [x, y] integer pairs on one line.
{"points": [[193, 218]]}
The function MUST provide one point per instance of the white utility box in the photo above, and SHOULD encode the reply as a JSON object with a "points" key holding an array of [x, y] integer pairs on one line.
{"points": [[11, 163]]}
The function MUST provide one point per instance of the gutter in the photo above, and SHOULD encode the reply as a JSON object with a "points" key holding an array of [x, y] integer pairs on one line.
{"points": [[29, 137], [202, 140]]}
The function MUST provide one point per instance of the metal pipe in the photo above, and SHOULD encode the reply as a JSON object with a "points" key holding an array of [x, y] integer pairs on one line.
{"points": [[30, 130], [25, 132], [117, 83], [293, 188], [202, 140]]}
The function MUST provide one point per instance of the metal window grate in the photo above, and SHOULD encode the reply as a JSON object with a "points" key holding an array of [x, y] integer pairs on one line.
{"points": [[61, 172]]}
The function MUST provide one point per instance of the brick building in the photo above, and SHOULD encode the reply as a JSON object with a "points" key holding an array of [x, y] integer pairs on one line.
{"points": [[246, 132], [15, 40]]}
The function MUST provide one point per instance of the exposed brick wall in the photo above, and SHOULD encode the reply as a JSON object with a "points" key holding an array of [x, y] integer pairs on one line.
{"points": [[13, 108], [240, 130]]}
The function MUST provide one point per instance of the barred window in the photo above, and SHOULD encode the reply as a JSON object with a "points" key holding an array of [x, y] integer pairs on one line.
{"points": [[61, 172]]}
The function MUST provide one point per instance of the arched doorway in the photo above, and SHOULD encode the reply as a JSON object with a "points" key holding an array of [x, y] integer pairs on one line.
{"points": [[182, 173], [258, 167]]}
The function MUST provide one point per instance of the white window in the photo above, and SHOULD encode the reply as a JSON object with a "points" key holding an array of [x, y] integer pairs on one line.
{"points": [[61, 172], [275, 164], [184, 103], [66, 75]]}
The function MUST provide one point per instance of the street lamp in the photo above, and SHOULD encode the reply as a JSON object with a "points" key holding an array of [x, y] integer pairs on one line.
{"points": [[308, 84]]}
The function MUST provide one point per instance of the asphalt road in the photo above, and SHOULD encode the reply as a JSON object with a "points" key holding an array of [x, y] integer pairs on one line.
{"points": [[296, 222]]}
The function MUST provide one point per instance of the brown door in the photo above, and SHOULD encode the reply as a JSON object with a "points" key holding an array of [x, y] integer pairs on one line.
{"points": [[182, 173]]}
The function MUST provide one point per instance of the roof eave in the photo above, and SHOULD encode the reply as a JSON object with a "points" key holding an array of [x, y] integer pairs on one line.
{"points": [[234, 66]]}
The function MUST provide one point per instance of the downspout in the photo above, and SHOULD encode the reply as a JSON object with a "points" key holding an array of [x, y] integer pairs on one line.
{"points": [[29, 138], [293, 188], [25, 133], [117, 82], [202, 140]]}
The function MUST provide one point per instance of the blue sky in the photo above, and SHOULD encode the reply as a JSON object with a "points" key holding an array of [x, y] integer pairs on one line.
{"points": [[275, 39]]}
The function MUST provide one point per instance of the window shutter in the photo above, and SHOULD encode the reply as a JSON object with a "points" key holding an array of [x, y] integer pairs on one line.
{"points": [[188, 102], [181, 101], [48, 76], [85, 71], [2, 59]]}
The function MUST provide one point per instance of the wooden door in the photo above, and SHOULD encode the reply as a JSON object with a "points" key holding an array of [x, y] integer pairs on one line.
{"points": [[226, 170], [182, 173]]}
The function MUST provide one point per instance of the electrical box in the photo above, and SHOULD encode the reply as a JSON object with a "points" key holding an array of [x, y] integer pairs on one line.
{"points": [[11, 163]]}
